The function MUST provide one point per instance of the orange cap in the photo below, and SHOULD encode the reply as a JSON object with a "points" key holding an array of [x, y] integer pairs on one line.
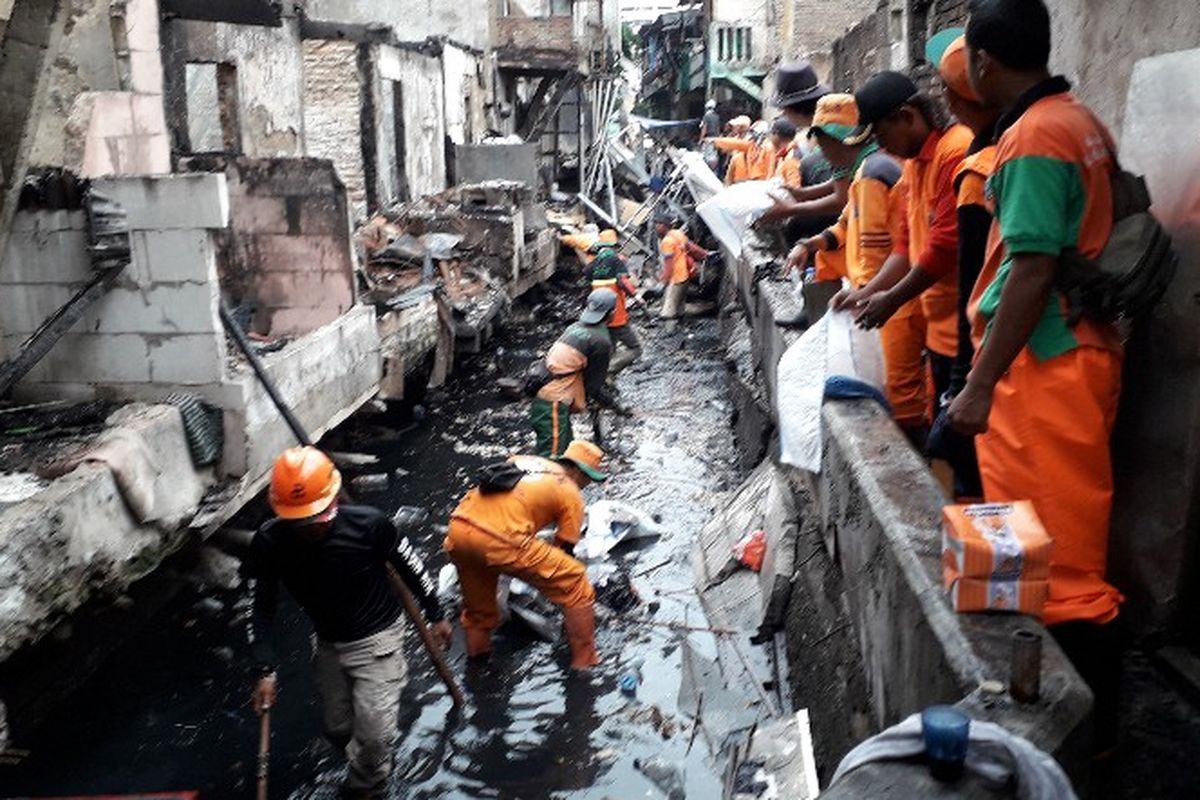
{"points": [[836, 116], [304, 483], [587, 456], [953, 69], [608, 236]]}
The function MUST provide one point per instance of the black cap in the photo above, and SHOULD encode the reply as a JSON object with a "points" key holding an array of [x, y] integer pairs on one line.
{"points": [[796, 82], [782, 127], [883, 93]]}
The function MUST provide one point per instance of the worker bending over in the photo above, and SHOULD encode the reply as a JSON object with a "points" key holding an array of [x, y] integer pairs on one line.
{"points": [[493, 532], [577, 366], [609, 271], [334, 560]]}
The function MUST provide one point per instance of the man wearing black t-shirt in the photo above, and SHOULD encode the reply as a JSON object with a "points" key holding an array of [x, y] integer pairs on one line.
{"points": [[334, 561]]}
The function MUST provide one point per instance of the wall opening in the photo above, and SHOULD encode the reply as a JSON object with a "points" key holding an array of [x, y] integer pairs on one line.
{"points": [[212, 108], [401, 148]]}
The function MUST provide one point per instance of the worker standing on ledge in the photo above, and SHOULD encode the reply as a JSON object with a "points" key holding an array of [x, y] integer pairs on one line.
{"points": [[493, 532], [333, 560], [576, 367]]}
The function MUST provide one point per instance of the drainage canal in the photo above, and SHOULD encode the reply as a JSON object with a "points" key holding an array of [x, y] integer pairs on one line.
{"points": [[169, 711]]}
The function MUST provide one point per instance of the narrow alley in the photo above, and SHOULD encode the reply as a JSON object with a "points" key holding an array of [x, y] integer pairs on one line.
{"points": [[171, 708]]}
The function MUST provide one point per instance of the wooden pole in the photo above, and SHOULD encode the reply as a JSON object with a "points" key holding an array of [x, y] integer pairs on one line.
{"points": [[264, 751]]}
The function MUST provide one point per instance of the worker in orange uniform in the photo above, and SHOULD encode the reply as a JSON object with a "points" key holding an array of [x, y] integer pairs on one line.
{"points": [[584, 242], [678, 254], [736, 170], [1043, 393], [575, 369], [608, 270], [948, 50], [333, 559], [864, 231], [493, 532], [787, 155], [925, 262], [759, 151]]}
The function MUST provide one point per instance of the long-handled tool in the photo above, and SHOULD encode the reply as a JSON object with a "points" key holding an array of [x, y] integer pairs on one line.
{"points": [[411, 609], [264, 751]]}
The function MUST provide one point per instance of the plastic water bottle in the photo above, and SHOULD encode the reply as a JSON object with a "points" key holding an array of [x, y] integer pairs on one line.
{"points": [[631, 677]]}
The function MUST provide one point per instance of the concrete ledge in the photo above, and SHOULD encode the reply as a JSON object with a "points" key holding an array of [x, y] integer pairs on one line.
{"points": [[868, 586], [78, 538]]}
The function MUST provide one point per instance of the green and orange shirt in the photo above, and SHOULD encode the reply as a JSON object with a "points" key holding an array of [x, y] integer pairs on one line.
{"points": [[1051, 191]]}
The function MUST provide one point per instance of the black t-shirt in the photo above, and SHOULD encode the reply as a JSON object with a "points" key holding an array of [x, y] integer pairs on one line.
{"points": [[340, 580]]}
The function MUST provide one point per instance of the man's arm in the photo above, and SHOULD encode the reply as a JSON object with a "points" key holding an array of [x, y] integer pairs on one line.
{"points": [[1022, 303], [826, 205], [570, 521], [731, 144], [804, 194]]}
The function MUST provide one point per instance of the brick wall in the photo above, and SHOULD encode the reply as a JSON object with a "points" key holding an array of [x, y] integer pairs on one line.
{"points": [[333, 113], [157, 326], [817, 23], [860, 52], [947, 14], [287, 249]]}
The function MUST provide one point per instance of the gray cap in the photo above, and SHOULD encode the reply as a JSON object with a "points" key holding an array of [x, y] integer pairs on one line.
{"points": [[600, 303]]}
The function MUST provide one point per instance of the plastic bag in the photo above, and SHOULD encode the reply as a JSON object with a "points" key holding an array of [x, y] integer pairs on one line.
{"points": [[751, 549], [832, 347], [729, 214]]}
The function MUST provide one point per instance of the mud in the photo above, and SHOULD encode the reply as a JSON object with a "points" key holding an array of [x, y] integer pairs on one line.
{"points": [[168, 710]]}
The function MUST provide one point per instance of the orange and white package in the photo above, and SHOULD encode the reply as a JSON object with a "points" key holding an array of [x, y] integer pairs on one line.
{"points": [[995, 557]]}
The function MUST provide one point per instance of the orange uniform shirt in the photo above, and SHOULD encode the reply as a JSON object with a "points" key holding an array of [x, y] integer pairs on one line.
{"points": [[673, 249], [759, 158], [930, 235], [546, 496], [867, 224], [787, 168]]}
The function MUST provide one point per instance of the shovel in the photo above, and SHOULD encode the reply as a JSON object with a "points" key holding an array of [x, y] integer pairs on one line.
{"points": [[264, 751]]}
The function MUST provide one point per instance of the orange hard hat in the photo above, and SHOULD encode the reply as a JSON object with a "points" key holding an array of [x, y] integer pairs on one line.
{"points": [[304, 483]]}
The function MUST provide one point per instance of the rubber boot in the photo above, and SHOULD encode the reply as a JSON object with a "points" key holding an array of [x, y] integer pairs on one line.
{"points": [[479, 642], [580, 624]]}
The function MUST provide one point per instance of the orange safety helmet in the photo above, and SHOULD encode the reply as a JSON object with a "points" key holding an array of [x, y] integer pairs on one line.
{"points": [[304, 483]]}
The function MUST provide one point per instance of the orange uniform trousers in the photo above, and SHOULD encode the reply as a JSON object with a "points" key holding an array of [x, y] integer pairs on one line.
{"points": [[1048, 442], [482, 556], [902, 339]]}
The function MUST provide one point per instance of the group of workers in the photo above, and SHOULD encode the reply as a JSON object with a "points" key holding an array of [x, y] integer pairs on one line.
{"points": [[946, 235], [336, 559], [948, 239]]}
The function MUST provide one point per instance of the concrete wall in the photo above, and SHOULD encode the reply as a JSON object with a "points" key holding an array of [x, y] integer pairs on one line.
{"points": [[1097, 44], [465, 21], [466, 88], [333, 113], [864, 50], [421, 83], [287, 249], [817, 23], [157, 327], [103, 114], [270, 80]]}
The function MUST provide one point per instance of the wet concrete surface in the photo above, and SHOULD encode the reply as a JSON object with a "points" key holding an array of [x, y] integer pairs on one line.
{"points": [[169, 710]]}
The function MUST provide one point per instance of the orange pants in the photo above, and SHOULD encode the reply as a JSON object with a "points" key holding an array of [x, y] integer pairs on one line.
{"points": [[1048, 441], [903, 341], [481, 557]]}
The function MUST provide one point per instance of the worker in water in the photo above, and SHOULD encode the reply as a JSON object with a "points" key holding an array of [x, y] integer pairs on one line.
{"points": [[493, 532], [576, 368], [679, 257], [609, 271], [583, 241], [334, 561]]}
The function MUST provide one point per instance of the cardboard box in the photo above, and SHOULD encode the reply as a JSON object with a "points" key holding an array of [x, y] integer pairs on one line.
{"points": [[995, 557]]}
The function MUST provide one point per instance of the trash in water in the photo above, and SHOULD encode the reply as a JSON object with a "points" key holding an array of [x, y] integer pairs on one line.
{"points": [[631, 677], [663, 774], [375, 482], [653, 716], [751, 782], [614, 590], [610, 523]]}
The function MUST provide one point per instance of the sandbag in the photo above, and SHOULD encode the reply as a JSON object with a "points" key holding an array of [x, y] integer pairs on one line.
{"points": [[730, 214]]}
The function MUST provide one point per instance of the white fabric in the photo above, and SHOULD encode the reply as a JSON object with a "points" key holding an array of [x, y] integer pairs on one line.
{"points": [[993, 753], [698, 176], [731, 212], [834, 346]]}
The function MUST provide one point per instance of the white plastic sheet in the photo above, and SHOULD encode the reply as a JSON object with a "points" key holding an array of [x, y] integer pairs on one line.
{"points": [[729, 214], [699, 178], [834, 346]]}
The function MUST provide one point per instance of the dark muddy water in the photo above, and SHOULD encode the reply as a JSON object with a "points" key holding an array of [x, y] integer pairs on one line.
{"points": [[169, 712]]}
